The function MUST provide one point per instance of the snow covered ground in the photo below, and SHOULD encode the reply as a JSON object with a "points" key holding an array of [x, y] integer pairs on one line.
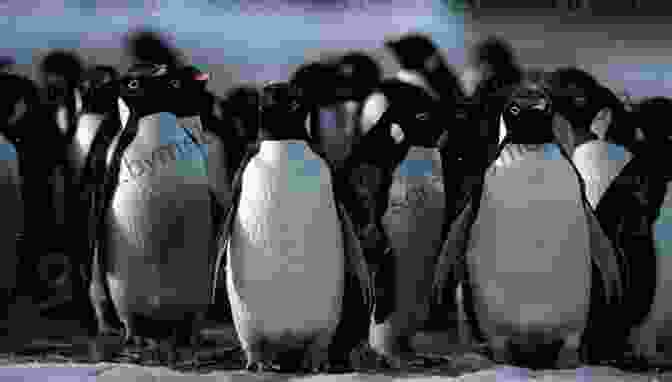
{"points": [[45, 359]]}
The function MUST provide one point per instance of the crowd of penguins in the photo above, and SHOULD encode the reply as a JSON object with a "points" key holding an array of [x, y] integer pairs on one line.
{"points": [[408, 176]]}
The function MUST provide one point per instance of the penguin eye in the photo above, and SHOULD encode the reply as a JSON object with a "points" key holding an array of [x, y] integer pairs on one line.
{"points": [[422, 116], [515, 110], [175, 84], [133, 84]]}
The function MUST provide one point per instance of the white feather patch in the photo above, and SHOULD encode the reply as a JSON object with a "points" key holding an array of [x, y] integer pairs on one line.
{"points": [[286, 261]]}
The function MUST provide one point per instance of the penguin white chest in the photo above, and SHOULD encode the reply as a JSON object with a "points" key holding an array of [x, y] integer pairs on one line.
{"points": [[599, 163], [529, 239], [87, 128], [160, 219], [286, 253]]}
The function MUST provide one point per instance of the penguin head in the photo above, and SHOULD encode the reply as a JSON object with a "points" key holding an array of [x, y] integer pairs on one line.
{"points": [[282, 115], [528, 115], [152, 88], [577, 97], [493, 57], [320, 82], [100, 88], [655, 109], [149, 46], [242, 106], [17, 105], [60, 72], [415, 52], [357, 74]]}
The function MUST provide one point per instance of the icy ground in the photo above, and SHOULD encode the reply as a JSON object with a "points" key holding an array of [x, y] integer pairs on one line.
{"points": [[56, 350]]}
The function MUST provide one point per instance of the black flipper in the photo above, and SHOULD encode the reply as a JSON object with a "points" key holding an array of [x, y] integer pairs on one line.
{"points": [[606, 258], [101, 198], [224, 230]]}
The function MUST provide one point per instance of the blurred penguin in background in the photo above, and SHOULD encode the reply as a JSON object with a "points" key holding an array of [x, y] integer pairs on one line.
{"points": [[650, 266], [7, 64], [344, 84], [146, 46], [495, 70], [422, 64], [241, 112], [60, 73], [21, 112]]}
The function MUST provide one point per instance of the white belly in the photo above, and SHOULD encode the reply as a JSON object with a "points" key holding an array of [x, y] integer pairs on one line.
{"points": [[286, 262], [413, 222], [599, 163], [87, 128], [12, 207], [658, 324], [159, 237], [529, 239]]}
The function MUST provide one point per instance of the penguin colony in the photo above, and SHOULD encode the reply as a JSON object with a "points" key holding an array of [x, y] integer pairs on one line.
{"points": [[341, 208]]}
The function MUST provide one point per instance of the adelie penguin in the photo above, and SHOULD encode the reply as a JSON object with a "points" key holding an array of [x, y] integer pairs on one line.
{"points": [[424, 65], [400, 185], [288, 245], [154, 243], [13, 111], [622, 195], [513, 261], [652, 266], [340, 87]]}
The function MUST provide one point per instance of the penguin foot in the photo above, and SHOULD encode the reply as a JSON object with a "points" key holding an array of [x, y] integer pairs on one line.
{"points": [[568, 359], [258, 367], [316, 361], [340, 365], [104, 347], [392, 362]]}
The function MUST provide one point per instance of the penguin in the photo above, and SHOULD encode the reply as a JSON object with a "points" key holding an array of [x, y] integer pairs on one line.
{"points": [[99, 95], [336, 121], [356, 73], [652, 286], [399, 186], [61, 73], [418, 54], [22, 111], [98, 122], [13, 111], [153, 214], [615, 183], [512, 300], [273, 260], [241, 106]]}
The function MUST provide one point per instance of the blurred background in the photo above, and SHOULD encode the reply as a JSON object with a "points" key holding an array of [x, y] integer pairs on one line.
{"points": [[623, 42]]}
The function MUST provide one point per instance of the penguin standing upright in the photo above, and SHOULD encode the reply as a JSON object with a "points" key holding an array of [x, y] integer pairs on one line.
{"points": [[399, 184], [288, 244], [418, 54], [13, 112], [652, 266], [98, 122], [153, 213], [61, 73], [614, 178], [513, 260]]}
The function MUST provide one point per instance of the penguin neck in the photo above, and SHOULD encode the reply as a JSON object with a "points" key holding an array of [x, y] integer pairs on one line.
{"points": [[280, 149]]}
